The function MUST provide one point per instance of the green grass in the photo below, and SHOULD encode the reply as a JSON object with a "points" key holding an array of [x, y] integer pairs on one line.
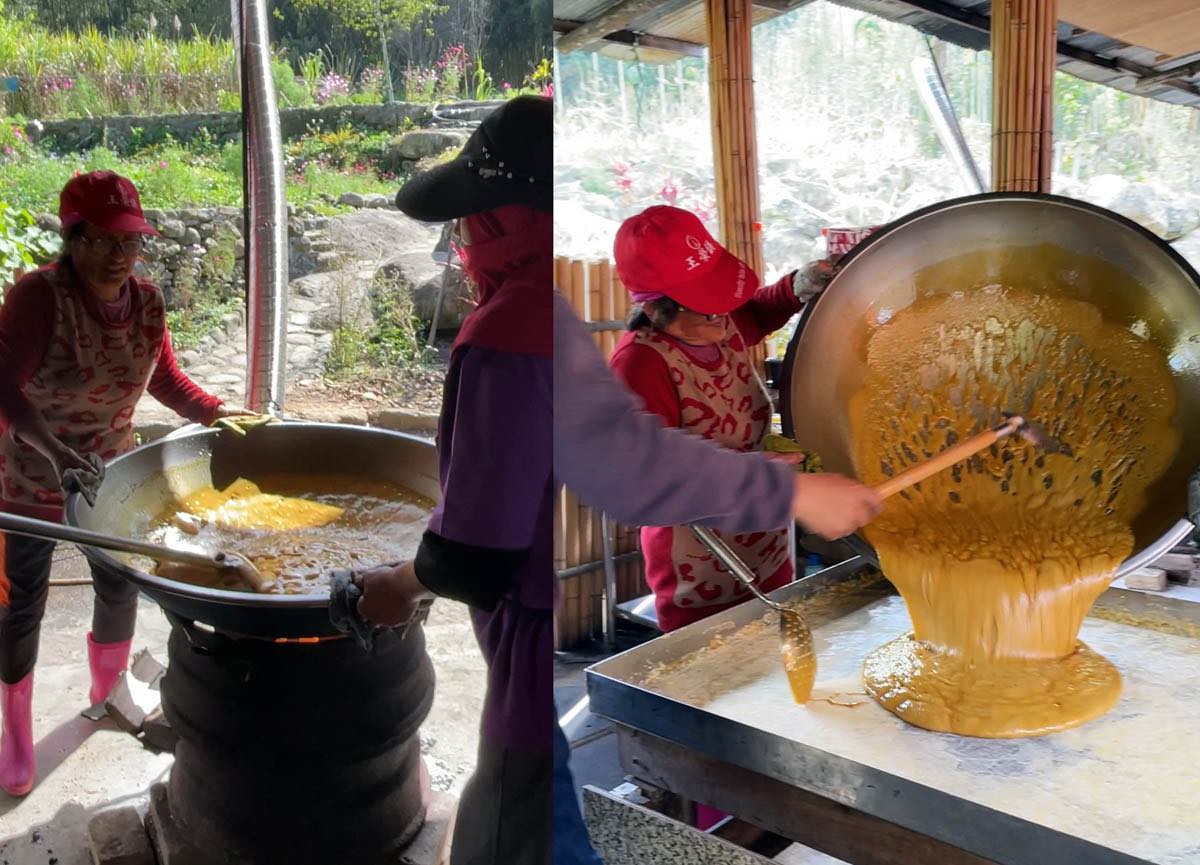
{"points": [[170, 177]]}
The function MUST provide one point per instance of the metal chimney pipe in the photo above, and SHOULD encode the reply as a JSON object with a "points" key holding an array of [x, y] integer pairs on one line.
{"points": [[265, 206]]}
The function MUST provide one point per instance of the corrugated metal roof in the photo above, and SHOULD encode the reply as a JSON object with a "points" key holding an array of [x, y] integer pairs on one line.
{"points": [[1086, 54]]}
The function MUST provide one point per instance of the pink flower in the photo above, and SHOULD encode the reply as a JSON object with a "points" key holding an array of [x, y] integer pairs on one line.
{"points": [[162, 164], [624, 183], [506, 86], [17, 133], [8, 151]]}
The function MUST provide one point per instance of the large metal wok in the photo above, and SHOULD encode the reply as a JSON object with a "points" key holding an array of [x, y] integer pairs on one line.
{"points": [[1042, 242], [140, 485]]}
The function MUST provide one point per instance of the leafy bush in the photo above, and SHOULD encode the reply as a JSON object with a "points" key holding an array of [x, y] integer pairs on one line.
{"points": [[291, 92], [23, 245], [397, 338]]}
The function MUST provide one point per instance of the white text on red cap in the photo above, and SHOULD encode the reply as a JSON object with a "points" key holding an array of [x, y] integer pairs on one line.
{"points": [[703, 251]]}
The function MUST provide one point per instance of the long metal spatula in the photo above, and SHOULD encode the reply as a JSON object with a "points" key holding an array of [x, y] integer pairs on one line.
{"points": [[795, 637], [223, 563]]}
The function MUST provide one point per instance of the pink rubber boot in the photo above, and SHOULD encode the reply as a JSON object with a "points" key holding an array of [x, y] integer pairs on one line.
{"points": [[707, 817], [107, 662], [17, 764]]}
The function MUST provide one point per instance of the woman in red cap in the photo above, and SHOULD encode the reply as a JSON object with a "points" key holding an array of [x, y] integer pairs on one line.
{"points": [[80, 341], [686, 354]]}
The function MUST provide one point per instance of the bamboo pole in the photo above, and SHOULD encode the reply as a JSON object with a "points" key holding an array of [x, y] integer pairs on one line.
{"points": [[731, 90], [1024, 46], [608, 293], [571, 532], [1050, 28], [579, 289], [595, 301]]}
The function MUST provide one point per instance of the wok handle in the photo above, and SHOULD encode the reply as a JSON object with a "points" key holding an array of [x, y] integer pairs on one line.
{"points": [[944, 460], [49, 531]]}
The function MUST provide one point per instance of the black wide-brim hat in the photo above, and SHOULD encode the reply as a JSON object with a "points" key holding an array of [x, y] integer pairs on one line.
{"points": [[509, 159]]}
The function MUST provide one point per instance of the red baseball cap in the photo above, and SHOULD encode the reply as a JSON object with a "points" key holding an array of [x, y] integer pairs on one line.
{"points": [[668, 251], [104, 199]]}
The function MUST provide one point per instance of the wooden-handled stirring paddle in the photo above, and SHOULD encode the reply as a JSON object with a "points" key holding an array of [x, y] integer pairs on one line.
{"points": [[795, 637], [222, 563], [1013, 424]]}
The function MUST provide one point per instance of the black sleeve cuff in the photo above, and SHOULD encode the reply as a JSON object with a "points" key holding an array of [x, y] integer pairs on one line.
{"points": [[477, 576]]}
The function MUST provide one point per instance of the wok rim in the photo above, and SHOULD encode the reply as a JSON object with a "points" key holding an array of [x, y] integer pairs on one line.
{"points": [[1173, 534], [155, 585]]}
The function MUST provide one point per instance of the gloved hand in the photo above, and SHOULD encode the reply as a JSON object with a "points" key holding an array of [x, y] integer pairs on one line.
{"points": [[85, 481], [781, 446], [809, 281], [240, 421], [344, 596], [393, 597]]}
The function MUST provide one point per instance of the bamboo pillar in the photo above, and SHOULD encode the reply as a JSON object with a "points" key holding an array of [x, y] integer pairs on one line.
{"points": [[1024, 53], [735, 148]]}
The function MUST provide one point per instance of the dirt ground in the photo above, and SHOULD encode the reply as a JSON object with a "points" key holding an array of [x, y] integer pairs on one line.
{"points": [[416, 389]]}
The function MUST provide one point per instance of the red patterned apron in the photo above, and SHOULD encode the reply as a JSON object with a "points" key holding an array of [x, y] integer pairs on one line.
{"points": [[87, 387], [723, 401]]}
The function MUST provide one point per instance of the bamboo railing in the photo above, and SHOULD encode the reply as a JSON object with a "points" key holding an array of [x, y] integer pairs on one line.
{"points": [[735, 140], [1024, 55], [597, 297]]}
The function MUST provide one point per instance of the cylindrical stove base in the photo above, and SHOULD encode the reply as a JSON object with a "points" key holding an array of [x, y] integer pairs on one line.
{"points": [[305, 754]]}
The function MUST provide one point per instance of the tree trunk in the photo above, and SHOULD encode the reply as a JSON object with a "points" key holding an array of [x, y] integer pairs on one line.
{"points": [[389, 95]]}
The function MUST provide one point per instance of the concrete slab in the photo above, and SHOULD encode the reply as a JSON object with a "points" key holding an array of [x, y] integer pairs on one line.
{"points": [[84, 766]]}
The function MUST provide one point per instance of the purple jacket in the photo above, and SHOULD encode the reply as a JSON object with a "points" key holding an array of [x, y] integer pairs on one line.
{"points": [[617, 457], [494, 443]]}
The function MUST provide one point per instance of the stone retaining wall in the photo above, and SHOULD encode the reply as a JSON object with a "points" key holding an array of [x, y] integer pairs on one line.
{"points": [[204, 247], [120, 133]]}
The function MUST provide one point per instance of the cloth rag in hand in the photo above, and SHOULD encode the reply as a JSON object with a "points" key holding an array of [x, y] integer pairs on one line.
{"points": [[85, 483], [343, 609]]}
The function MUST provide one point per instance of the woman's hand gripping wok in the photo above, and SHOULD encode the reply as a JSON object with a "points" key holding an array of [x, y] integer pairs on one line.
{"points": [[392, 596], [811, 280]]}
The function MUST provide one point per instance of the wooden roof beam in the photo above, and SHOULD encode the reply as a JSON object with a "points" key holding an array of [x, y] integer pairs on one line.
{"points": [[781, 5], [643, 40], [982, 23], [614, 20]]}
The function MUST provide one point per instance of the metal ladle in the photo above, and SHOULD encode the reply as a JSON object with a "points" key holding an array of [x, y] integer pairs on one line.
{"points": [[223, 563], [795, 636]]}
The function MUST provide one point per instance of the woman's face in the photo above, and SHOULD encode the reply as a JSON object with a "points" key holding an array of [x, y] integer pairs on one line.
{"points": [[105, 259], [694, 328]]}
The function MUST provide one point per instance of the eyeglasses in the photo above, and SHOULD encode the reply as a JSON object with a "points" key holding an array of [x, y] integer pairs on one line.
{"points": [[704, 315], [104, 246]]}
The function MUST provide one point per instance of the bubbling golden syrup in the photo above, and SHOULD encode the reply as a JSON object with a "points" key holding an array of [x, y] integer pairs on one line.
{"points": [[1000, 558], [295, 529]]}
